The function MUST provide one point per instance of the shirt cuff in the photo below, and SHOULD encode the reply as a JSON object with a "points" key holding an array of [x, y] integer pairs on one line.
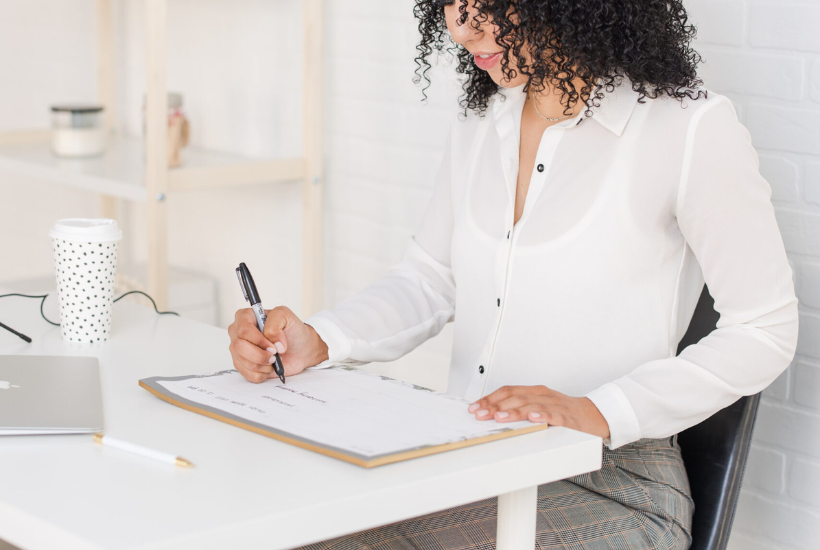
{"points": [[618, 413], [338, 346]]}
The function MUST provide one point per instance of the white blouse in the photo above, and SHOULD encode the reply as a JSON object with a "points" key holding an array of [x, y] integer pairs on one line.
{"points": [[628, 212]]}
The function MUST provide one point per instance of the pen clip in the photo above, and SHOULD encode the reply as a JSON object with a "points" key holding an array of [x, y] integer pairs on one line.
{"points": [[243, 284]]}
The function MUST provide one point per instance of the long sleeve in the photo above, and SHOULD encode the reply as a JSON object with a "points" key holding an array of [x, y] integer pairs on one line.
{"points": [[726, 217], [409, 304]]}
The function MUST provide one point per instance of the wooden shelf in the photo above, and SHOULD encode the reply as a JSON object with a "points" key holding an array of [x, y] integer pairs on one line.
{"points": [[135, 169], [120, 172]]}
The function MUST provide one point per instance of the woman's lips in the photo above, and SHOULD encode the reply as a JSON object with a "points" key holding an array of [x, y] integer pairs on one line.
{"points": [[486, 63]]}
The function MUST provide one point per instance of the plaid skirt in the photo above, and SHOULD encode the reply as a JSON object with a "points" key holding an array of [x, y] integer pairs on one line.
{"points": [[639, 499]]}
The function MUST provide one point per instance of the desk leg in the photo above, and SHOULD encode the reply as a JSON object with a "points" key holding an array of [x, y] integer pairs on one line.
{"points": [[516, 519]]}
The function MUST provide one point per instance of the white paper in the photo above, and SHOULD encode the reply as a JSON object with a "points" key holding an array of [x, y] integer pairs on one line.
{"points": [[353, 410]]}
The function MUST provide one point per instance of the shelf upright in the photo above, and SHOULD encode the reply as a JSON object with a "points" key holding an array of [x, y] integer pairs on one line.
{"points": [[106, 86], [156, 147]]}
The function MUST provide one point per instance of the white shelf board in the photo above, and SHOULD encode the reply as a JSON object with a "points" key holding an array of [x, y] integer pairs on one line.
{"points": [[120, 171]]}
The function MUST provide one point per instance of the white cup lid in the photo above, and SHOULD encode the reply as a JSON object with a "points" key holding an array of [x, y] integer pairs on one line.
{"points": [[90, 230]]}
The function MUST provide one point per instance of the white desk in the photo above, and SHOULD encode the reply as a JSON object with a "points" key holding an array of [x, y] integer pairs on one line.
{"points": [[246, 491]]}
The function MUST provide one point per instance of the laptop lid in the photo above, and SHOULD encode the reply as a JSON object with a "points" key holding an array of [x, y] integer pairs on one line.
{"points": [[49, 394]]}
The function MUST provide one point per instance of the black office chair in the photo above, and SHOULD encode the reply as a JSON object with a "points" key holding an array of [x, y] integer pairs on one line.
{"points": [[715, 451]]}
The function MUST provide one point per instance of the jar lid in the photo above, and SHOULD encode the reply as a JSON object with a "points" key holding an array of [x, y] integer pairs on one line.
{"points": [[77, 108], [87, 230]]}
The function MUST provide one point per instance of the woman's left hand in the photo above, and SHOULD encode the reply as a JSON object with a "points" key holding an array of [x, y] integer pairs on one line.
{"points": [[543, 405]]}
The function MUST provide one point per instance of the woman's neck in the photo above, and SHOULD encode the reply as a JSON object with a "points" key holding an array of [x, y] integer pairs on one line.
{"points": [[548, 101]]}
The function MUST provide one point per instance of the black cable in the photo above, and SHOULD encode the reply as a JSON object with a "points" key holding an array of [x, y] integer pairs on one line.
{"points": [[43, 301], [147, 296]]}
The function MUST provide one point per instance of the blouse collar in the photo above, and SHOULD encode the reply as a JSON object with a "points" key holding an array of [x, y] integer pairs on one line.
{"points": [[613, 113]]}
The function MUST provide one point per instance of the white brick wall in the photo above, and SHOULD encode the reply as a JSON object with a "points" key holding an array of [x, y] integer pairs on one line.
{"points": [[383, 151], [783, 25], [766, 60]]}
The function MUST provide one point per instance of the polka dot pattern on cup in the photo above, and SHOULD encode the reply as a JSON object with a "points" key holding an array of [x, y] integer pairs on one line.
{"points": [[85, 288]]}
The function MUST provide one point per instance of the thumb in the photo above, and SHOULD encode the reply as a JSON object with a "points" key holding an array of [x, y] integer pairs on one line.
{"points": [[245, 326]]}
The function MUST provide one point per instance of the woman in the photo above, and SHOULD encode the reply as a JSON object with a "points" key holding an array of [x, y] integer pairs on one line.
{"points": [[569, 237]]}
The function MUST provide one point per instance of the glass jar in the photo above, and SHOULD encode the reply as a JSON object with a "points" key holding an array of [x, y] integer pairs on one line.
{"points": [[77, 130]]}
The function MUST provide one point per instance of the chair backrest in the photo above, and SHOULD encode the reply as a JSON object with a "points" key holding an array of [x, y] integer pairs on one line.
{"points": [[715, 451]]}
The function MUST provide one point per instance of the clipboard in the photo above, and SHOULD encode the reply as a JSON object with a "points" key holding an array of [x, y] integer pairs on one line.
{"points": [[345, 395]]}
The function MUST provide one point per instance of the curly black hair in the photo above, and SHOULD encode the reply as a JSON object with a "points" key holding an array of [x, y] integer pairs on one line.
{"points": [[644, 40]]}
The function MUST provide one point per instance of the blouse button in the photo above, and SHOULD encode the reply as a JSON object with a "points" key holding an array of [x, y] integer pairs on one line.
{"points": [[540, 168], [481, 369]]}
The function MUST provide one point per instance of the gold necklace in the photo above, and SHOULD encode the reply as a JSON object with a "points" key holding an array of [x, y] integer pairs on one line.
{"points": [[535, 104]]}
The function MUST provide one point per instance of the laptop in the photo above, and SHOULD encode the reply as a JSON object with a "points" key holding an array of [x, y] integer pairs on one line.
{"points": [[41, 394]]}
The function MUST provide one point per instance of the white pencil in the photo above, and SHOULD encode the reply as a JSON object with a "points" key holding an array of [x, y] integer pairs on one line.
{"points": [[109, 441]]}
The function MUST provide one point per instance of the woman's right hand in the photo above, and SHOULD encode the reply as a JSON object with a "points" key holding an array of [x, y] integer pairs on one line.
{"points": [[298, 344]]}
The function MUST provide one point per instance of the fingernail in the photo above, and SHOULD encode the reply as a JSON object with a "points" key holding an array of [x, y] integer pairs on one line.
{"points": [[272, 359], [502, 415], [482, 412], [279, 347], [535, 415], [270, 350], [472, 408]]}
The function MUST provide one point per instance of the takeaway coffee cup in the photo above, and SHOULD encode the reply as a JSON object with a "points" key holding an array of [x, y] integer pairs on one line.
{"points": [[85, 259]]}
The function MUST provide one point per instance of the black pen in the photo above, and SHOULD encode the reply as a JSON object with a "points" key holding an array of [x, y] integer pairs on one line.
{"points": [[252, 297]]}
